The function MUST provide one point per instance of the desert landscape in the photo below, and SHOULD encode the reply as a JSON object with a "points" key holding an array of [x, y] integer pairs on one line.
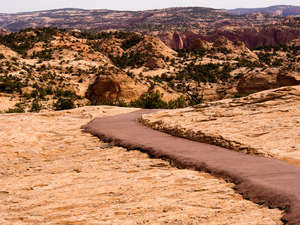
{"points": [[185, 115], [53, 173]]}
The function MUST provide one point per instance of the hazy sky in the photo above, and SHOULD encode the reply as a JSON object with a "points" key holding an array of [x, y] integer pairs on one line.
{"points": [[9, 6]]}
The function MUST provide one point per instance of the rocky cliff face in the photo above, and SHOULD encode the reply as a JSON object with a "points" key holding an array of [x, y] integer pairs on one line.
{"points": [[253, 38], [177, 42]]}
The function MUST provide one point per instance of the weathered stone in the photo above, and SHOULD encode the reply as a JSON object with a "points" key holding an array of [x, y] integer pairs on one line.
{"points": [[266, 123], [263, 80], [110, 88]]}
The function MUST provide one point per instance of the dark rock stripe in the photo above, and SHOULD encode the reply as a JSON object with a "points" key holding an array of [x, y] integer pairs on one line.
{"points": [[262, 180]]}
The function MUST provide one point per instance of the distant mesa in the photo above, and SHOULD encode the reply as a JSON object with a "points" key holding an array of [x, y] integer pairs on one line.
{"points": [[279, 10]]}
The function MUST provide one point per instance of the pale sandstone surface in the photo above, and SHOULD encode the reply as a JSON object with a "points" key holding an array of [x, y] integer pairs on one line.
{"points": [[265, 123], [52, 173], [7, 102]]}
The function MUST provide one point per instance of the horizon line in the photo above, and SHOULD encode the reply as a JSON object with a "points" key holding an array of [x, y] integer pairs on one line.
{"points": [[128, 10]]}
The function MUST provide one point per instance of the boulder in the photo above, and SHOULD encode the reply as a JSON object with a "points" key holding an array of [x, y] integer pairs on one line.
{"points": [[111, 88]]}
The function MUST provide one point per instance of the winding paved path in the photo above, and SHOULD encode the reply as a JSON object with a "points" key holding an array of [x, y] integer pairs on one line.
{"points": [[263, 180]]}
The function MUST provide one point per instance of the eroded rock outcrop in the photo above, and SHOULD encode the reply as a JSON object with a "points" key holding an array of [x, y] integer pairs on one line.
{"points": [[177, 41], [264, 80], [110, 88], [153, 46], [234, 49]]}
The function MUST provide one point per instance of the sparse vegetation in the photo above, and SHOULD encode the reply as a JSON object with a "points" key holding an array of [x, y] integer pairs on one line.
{"points": [[150, 100], [64, 104], [19, 108], [133, 40], [65, 61], [36, 106], [154, 100], [25, 39], [10, 84], [129, 60], [204, 73]]}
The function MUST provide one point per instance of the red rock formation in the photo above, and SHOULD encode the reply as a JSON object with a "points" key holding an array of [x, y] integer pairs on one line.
{"points": [[177, 41], [251, 37]]}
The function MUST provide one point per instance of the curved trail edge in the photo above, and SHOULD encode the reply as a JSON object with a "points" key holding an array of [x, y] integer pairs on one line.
{"points": [[265, 181]]}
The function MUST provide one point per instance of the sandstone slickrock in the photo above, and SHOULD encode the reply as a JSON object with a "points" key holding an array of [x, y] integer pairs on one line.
{"points": [[257, 178], [7, 52], [266, 123], [52, 173]]}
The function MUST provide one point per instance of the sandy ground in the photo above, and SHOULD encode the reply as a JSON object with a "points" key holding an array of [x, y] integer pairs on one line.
{"points": [[52, 173]]}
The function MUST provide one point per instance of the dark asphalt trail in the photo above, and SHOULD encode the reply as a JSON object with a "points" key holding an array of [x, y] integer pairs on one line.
{"points": [[262, 180]]}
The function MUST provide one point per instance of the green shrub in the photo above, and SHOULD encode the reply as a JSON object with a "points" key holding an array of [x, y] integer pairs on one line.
{"points": [[130, 59], [66, 93], [194, 98], [150, 100], [10, 84], [18, 109], [178, 103], [131, 41], [44, 55], [35, 106], [242, 62], [34, 93], [153, 100], [64, 103], [265, 58], [49, 90], [277, 62], [21, 42], [204, 73]]}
